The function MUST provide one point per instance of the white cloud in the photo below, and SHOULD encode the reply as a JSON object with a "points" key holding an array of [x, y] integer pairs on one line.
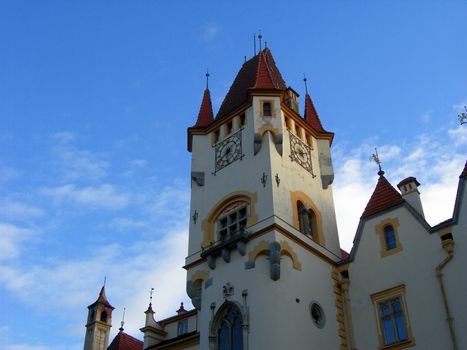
{"points": [[11, 238], [14, 210], [459, 135], [64, 136], [139, 163], [210, 31], [102, 196]]}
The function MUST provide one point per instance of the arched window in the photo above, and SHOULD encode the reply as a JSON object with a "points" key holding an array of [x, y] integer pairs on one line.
{"points": [[229, 328], [232, 220], [104, 316], [389, 237], [306, 220]]}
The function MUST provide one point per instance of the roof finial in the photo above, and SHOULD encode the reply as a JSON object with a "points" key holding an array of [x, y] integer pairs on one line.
{"points": [[123, 320], [244, 59], [254, 44], [150, 296], [306, 85], [265, 44], [375, 158], [207, 79], [260, 37], [105, 280]]}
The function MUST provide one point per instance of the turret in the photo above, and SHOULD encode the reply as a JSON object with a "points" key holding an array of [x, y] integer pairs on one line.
{"points": [[153, 331], [99, 323]]}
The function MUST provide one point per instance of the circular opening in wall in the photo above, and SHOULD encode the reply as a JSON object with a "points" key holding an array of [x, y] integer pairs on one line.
{"points": [[317, 314]]}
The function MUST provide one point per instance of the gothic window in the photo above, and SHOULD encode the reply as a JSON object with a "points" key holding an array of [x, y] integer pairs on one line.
{"points": [[306, 220], [182, 327], [229, 329], [232, 220], [389, 237]]}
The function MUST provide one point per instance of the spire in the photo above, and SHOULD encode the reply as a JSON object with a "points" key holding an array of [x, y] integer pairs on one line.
{"points": [[181, 309], [311, 116], [205, 115], [384, 197], [263, 76], [121, 329]]}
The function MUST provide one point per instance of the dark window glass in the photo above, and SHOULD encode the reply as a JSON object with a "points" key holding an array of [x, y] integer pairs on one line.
{"points": [[267, 111], [389, 237], [182, 327], [392, 321], [104, 316], [230, 333]]}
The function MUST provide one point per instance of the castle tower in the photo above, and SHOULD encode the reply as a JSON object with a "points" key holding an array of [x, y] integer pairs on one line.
{"points": [[99, 323], [262, 217]]}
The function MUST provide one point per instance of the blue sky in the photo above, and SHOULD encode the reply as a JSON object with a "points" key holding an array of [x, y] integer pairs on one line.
{"points": [[95, 99]]}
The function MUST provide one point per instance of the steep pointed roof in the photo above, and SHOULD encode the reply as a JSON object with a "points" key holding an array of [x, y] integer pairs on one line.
{"points": [[205, 115], [464, 172], [384, 197], [102, 299], [260, 72], [123, 341], [311, 116]]}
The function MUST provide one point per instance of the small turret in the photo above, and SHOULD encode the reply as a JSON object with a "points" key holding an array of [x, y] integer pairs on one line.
{"points": [[409, 191], [153, 331], [99, 323]]}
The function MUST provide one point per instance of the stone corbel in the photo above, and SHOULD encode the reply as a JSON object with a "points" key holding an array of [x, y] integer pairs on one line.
{"points": [[275, 260]]}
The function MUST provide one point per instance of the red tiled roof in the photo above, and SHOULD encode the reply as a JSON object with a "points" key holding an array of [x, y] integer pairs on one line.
{"points": [[205, 115], [102, 299], [384, 197], [311, 116], [464, 172], [260, 72], [123, 341]]}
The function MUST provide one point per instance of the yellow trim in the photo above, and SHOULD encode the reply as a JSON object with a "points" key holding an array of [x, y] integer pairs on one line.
{"points": [[200, 275], [391, 293], [207, 226], [379, 230], [286, 249], [265, 128], [261, 110], [260, 248], [302, 197]]}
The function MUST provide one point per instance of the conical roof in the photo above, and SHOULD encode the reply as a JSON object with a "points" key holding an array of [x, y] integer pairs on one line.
{"points": [[205, 115], [384, 197], [311, 116], [102, 299]]}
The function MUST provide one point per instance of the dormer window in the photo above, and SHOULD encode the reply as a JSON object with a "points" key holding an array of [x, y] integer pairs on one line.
{"points": [[267, 109], [182, 327]]}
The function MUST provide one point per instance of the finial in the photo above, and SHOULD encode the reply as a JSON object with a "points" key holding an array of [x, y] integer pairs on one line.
{"points": [[254, 44], [260, 37], [375, 158], [265, 44], [105, 279], [306, 85], [150, 296], [463, 116], [123, 320], [207, 78]]}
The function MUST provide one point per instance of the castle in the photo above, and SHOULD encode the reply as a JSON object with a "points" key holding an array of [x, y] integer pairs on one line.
{"points": [[264, 265]]}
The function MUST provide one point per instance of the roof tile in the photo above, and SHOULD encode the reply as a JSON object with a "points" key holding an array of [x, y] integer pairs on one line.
{"points": [[384, 197], [123, 341]]}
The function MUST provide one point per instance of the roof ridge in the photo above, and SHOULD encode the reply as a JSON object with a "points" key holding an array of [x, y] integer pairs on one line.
{"points": [[384, 197]]}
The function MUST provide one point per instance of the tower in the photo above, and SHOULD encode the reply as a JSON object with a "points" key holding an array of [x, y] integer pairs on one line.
{"points": [[262, 217], [99, 323]]}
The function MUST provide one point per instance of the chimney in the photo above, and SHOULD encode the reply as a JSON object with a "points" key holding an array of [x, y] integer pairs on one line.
{"points": [[409, 191]]}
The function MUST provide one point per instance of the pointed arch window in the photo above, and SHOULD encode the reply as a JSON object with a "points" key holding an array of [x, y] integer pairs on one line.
{"points": [[229, 328], [104, 316]]}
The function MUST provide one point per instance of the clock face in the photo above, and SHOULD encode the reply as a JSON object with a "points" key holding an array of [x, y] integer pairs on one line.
{"points": [[300, 152], [229, 150]]}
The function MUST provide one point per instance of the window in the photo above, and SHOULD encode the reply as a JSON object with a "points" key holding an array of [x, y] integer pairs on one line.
{"points": [[229, 329], [104, 316], [182, 327], [389, 237], [215, 136], [228, 128], [387, 231], [317, 314], [306, 220], [242, 119], [267, 109], [232, 220], [393, 327]]}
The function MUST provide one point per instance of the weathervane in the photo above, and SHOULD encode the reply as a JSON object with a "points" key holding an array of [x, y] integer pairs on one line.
{"points": [[123, 320], [463, 116], [375, 158], [150, 296]]}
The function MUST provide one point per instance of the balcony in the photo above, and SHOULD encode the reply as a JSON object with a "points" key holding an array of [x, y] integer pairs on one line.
{"points": [[223, 247]]}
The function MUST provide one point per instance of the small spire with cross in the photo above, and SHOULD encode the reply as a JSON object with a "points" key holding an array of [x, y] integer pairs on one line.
{"points": [[150, 296], [123, 320], [207, 79], [306, 85], [375, 158], [260, 37]]}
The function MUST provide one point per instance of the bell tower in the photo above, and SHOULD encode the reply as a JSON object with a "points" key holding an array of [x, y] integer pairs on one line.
{"points": [[262, 214], [98, 323]]}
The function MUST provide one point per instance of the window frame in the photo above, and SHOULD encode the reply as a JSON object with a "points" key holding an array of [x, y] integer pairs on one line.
{"points": [[379, 231], [221, 319], [240, 222], [261, 110], [385, 296]]}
